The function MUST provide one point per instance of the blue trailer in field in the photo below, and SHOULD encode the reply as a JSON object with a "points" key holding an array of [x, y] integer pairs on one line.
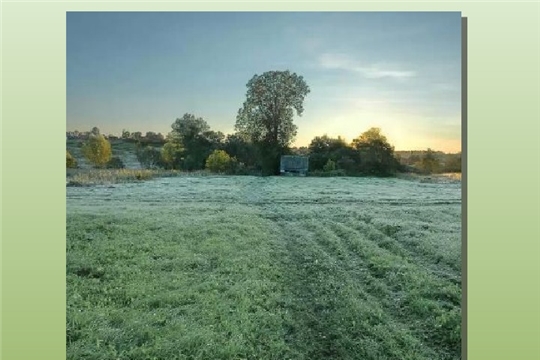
{"points": [[294, 165]]}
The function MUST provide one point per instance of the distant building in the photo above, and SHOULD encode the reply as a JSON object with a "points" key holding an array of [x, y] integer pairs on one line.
{"points": [[294, 165]]}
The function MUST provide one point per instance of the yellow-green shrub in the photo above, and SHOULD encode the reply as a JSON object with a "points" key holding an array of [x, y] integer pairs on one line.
{"points": [[71, 162], [97, 150], [219, 161]]}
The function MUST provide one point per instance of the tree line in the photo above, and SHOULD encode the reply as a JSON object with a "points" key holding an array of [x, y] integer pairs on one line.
{"points": [[136, 136], [264, 131]]}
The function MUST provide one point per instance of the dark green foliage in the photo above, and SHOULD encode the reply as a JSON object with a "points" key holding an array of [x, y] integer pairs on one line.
{"points": [[196, 139], [191, 162], [369, 154], [115, 163], [188, 128], [324, 148], [347, 160], [376, 155], [300, 151], [149, 157], [269, 157], [329, 166], [172, 155], [241, 148]]}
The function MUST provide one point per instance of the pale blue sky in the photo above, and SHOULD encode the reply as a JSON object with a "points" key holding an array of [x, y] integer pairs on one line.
{"points": [[397, 71]]}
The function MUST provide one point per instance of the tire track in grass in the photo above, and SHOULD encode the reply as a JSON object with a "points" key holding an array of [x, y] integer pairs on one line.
{"points": [[410, 239], [317, 285], [346, 305], [335, 318], [407, 290]]}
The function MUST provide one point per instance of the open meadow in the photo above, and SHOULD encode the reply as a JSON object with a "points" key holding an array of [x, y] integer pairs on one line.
{"points": [[242, 267]]}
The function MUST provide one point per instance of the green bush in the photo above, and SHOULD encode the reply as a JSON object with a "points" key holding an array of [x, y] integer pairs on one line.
{"points": [[219, 161], [375, 154], [172, 155], [97, 150], [149, 157], [330, 166], [71, 162]]}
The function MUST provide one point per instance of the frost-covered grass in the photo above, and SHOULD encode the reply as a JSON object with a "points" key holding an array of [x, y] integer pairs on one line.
{"points": [[433, 178], [264, 268]]}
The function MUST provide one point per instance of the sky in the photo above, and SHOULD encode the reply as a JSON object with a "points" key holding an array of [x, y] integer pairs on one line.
{"points": [[140, 71]]}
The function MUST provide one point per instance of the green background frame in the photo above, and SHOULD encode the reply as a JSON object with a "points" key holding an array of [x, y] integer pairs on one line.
{"points": [[503, 178]]}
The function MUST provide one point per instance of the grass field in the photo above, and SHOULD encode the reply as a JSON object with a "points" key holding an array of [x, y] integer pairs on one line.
{"points": [[264, 268]]}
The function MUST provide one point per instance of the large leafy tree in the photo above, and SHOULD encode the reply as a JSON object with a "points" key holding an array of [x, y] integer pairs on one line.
{"points": [[97, 150], [194, 136], [375, 153], [188, 128], [266, 116]]}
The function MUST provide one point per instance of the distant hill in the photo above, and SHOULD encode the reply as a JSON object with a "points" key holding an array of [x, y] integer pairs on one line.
{"points": [[124, 149]]}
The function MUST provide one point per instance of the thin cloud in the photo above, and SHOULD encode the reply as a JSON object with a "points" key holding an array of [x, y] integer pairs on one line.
{"points": [[446, 87], [374, 71], [312, 44]]}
